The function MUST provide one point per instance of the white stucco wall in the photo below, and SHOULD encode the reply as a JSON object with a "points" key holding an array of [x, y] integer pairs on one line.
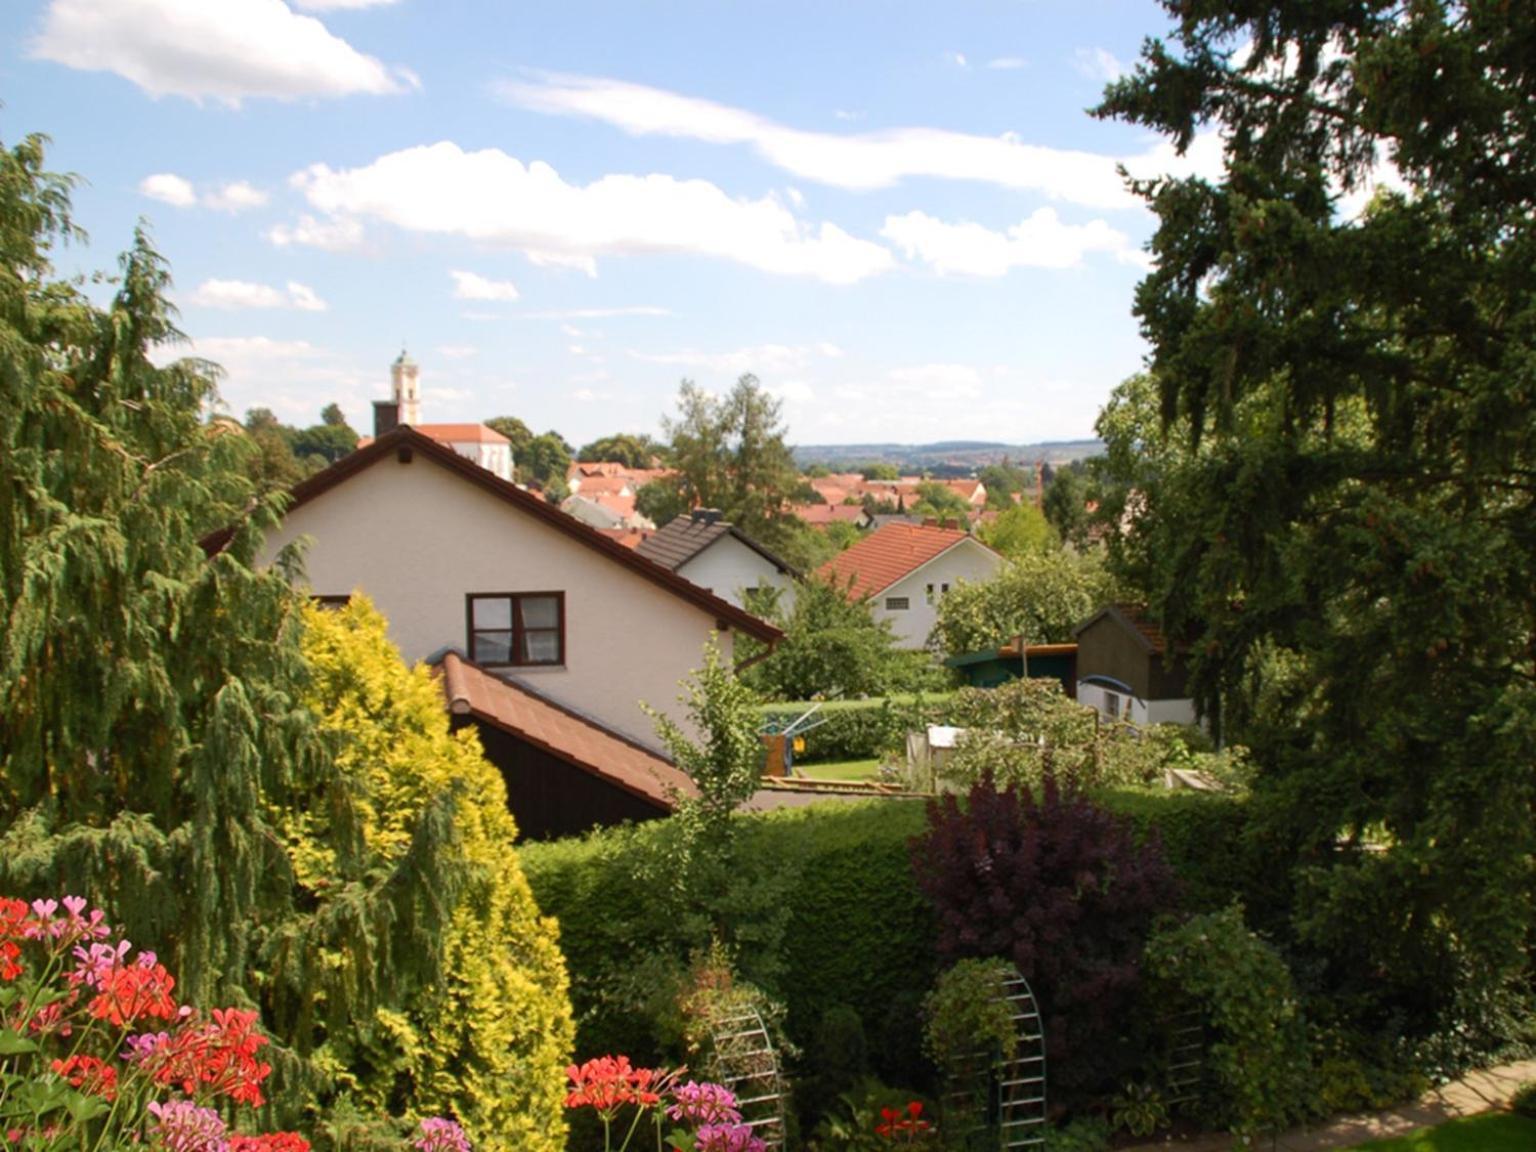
{"points": [[417, 539], [1135, 709], [496, 458], [728, 567], [968, 561]]}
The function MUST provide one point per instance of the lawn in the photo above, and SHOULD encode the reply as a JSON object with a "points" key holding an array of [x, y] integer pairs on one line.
{"points": [[1492, 1132], [841, 770]]}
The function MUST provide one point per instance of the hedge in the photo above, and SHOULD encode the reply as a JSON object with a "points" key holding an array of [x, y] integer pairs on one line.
{"points": [[858, 729], [859, 933]]}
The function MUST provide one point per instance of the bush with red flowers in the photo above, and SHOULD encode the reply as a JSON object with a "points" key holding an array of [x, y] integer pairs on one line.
{"points": [[96, 1053]]}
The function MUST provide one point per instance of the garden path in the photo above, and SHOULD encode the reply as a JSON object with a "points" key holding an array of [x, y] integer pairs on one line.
{"points": [[1477, 1092]]}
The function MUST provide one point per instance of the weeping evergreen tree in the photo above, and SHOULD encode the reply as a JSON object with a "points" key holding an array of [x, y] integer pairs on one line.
{"points": [[143, 686], [154, 711]]}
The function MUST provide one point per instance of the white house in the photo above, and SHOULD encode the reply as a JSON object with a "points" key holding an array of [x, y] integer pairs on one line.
{"points": [[715, 554], [456, 557], [907, 569]]}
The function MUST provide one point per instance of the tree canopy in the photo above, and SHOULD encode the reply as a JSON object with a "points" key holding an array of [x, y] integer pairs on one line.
{"points": [[1345, 461], [730, 454]]}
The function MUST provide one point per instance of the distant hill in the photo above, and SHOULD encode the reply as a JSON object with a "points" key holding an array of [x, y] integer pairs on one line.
{"points": [[945, 457]]}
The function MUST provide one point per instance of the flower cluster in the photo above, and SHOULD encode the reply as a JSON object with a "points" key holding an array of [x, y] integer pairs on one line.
{"points": [[904, 1125], [77, 993], [608, 1084], [441, 1135], [216, 1055]]}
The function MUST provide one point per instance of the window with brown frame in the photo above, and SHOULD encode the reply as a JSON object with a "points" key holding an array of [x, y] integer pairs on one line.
{"points": [[516, 628]]}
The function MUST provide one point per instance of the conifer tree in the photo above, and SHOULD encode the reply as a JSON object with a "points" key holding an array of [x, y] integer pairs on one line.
{"points": [[143, 685], [487, 1040]]}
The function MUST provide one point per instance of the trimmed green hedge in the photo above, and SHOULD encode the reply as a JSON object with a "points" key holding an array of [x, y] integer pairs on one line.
{"points": [[859, 729], [859, 933]]}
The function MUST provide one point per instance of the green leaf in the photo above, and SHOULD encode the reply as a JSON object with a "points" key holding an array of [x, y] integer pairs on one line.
{"points": [[12, 1043]]}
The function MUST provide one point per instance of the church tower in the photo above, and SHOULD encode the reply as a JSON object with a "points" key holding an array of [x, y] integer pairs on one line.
{"points": [[405, 375]]}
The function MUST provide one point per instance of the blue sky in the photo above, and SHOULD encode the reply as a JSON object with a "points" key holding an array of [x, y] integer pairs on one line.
{"points": [[898, 216]]}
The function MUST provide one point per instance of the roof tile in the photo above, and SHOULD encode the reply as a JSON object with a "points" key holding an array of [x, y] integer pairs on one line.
{"points": [[579, 741], [887, 554]]}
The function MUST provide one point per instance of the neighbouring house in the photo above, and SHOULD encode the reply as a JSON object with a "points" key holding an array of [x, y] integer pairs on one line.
{"points": [[609, 511], [1127, 670], [564, 773], [905, 570], [992, 667], [485, 446], [714, 554], [820, 515], [458, 558]]}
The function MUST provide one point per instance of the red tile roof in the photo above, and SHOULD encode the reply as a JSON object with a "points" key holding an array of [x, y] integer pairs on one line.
{"points": [[887, 554], [459, 433], [583, 743], [629, 537], [817, 515]]}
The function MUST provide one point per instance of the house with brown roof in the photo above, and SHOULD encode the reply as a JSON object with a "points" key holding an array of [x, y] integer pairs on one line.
{"points": [[904, 570], [484, 445], [457, 558], [715, 554], [564, 772], [1128, 670]]}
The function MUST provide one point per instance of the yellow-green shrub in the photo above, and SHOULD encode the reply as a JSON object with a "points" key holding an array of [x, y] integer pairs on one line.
{"points": [[488, 1044]]}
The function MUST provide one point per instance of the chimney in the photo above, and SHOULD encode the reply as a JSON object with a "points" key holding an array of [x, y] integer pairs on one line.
{"points": [[930, 522], [705, 515], [952, 524], [386, 417]]}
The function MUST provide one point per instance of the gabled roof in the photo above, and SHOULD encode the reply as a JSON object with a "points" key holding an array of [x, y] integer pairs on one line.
{"points": [[460, 433], [452, 434], [406, 440], [579, 741], [889, 554], [819, 514], [1133, 619], [682, 538]]}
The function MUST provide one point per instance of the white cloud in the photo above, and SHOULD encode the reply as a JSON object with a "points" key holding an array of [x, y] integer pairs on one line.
{"points": [[1098, 64], [229, 295], [956, 58], [857, 161], [334, 5], [599, 313], [303, 298], [235, 196], [489, 195], [336, 234], [1007, 63], [760, 359], [562, 260], [168, 188], [791, 391], [1041, 240], [470, 286], [228, 50]]}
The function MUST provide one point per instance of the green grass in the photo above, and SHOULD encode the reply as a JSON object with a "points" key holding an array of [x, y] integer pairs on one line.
{"points": [[1492, 1132], [841, 770]]}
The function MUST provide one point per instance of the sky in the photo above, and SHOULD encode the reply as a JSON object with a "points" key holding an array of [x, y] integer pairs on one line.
{"points": [[898, 216]]}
